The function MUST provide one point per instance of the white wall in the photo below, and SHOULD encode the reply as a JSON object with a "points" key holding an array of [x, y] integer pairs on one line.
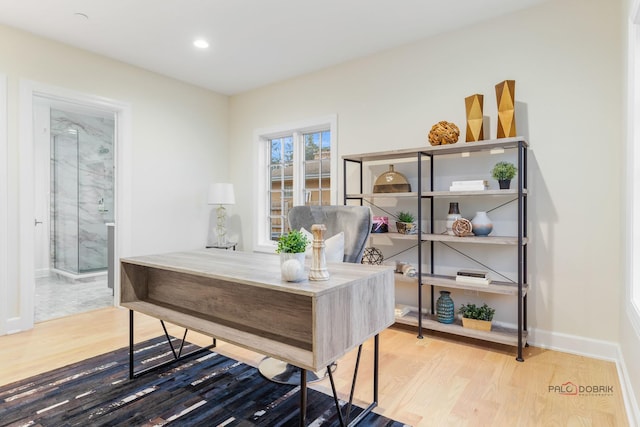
{"points": [[179, 137], [566, 58]]}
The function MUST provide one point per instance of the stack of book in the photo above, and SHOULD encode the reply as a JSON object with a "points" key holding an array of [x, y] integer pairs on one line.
{"points": [[475, 277], [473, 185], [401, 310]]}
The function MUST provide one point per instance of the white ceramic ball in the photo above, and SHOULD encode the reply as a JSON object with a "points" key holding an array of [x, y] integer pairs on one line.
{"points": [[292, 270]]}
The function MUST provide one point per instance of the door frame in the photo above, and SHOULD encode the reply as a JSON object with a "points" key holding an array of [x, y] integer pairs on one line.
{"points": [[4, 205], [122, 175]]}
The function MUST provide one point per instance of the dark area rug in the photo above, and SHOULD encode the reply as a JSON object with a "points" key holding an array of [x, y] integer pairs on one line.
{"points": [[206, 390]]}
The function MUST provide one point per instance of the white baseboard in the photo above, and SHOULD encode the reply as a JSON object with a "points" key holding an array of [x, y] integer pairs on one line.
{"points": [[597, 349], [14, 325], [630, 401]]}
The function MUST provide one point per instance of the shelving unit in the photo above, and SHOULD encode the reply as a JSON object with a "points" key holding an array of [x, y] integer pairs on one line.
{"points": [[429, 155]]}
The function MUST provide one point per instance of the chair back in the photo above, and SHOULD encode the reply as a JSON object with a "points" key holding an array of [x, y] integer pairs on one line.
{"points": [[355, 221]]}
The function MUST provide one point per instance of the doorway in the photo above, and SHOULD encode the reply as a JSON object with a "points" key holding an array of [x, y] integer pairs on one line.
{"points": [[22, 317], [74, 204]]}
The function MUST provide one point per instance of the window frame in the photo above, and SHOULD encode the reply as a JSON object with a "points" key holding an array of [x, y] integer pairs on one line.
{"points": [[633, 171], [262, 185]]}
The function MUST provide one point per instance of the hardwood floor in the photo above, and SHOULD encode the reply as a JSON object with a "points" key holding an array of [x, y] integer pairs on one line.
{"points": [[436, 381]]}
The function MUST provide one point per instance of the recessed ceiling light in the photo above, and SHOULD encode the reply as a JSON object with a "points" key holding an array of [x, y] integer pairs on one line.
{"points": [[201, 43]]}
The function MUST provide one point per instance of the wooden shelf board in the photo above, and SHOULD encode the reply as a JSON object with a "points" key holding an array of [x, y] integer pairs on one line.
{"points": [[382, 195], [510, 192], [492, 240], [459, 147], [426, 237], [497, 334], [495, 287]]}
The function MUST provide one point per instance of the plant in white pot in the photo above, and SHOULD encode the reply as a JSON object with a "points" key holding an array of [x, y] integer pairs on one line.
{"points": [[405, 223], [504, 173], [475, 317], [291, 247]]}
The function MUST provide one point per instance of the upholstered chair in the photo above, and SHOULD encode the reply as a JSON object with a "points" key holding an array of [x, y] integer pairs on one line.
{"points": [[355, 222]]}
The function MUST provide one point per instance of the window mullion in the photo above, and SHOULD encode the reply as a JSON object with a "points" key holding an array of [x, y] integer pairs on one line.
{"points": [[298, 169]]}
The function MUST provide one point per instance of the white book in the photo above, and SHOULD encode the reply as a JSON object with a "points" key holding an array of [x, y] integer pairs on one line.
{"points": [[483, 274], [402, 310], [467, 188], [471, 182], [473, 280]]}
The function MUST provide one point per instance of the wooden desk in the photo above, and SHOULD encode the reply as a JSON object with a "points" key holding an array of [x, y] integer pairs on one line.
{"points": [[239, 297]]}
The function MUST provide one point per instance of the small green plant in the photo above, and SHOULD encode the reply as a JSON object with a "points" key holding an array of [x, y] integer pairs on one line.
{"points": [[405, 217], [293, 242], [471, 311], [504, 171]]}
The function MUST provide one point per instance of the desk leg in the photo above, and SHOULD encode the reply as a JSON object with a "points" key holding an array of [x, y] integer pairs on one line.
{"points": [[376, 360], [131, 344], [344, 420], [303, 397], [176, 356]]}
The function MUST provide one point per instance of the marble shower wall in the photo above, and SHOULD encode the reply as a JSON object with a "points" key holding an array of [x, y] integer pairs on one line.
{"points": [[82, 190]]}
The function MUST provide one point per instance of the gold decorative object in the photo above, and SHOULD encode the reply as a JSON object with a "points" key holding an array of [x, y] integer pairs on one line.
{"points": [[473, 105], [391, 182], [462, 227], [444, 133], [505, 95]]}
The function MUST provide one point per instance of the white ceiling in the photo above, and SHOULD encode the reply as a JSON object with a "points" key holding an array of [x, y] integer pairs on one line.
{"points": [[253, 42]]}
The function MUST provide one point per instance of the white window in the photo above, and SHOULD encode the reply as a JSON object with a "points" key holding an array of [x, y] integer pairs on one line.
{"points": [[296, 164]]}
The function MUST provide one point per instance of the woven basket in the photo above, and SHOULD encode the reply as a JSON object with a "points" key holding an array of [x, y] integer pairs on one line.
{"points": [[480, 325]]}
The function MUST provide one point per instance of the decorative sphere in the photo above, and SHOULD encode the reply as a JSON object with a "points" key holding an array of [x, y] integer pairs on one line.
{"points": [[292, 270], [444, 133], [372, 256]]}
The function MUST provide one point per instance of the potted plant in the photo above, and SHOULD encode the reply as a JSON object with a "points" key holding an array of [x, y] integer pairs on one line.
{"points": [[291, 247], [406, 223], [475, 317], [504, 173]]}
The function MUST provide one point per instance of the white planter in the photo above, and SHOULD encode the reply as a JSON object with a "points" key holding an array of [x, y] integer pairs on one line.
{"points": [[292, 267]]}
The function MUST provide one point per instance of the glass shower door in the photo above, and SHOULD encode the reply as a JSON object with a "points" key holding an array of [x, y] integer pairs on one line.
{"points": [[82, 190]]}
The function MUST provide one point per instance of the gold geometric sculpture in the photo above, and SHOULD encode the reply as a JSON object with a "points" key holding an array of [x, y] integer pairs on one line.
{"points": [[505, 95], [473, 105]]}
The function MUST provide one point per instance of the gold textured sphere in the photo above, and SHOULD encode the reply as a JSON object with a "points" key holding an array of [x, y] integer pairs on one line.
{"points": [[444, 133]]}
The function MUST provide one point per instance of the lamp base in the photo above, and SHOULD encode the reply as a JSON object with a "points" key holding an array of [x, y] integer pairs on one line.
{"points": [[221, 225]]}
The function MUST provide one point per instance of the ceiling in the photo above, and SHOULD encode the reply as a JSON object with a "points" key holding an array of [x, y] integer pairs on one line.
{"points": [[252, 42]]}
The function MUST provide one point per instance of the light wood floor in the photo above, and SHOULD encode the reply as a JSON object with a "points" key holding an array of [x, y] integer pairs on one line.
{"points": [[436, 381]]}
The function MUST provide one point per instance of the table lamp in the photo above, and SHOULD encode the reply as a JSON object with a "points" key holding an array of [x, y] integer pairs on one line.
{"points": [[221, 194]]}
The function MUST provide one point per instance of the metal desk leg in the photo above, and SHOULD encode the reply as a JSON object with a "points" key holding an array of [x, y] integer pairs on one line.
{"points": [[303, 397], [176, 355], [344, 421]]}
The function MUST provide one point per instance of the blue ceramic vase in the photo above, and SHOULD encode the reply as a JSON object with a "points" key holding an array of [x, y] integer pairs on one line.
{"points": [[445, 308]]}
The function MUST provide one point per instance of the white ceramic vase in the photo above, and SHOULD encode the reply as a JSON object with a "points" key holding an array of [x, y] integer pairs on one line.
{"points": [[292, 266], [482, 225]]}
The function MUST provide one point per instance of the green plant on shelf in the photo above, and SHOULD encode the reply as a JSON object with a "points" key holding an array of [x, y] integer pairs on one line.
{"points": [[504, 171], [471, 311], [293, 242], [405, 217]]}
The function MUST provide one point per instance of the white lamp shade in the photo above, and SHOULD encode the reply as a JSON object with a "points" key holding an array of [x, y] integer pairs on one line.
{"points": [[221, 193]]}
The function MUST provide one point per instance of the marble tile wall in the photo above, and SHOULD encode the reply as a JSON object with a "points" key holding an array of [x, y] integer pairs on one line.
{"points": [[82, 189]]}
